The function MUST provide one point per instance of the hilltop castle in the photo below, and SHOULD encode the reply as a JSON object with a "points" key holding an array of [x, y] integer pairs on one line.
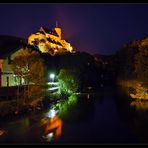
{"points": [[50, 41]]}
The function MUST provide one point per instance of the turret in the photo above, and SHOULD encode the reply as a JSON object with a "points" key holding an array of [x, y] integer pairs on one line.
{"points": [[58, 30]]}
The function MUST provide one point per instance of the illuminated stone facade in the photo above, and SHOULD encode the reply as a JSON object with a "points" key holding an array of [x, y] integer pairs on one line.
{"points": [[50, 41]]}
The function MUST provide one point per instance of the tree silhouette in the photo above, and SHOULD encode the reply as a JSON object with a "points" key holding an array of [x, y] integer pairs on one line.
{"points": [[29, 66]]}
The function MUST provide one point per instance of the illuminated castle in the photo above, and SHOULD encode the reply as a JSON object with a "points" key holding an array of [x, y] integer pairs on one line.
{"points": [[50, 41]]}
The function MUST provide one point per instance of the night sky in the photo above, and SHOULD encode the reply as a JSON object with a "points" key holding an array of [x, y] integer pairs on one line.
{"points": [[94, 28]]}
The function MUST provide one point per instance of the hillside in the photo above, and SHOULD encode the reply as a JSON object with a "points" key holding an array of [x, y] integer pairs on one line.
{"points": [[9, 44]]}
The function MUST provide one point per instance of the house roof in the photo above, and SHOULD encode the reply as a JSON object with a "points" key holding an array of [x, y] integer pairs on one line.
{"points": [[9, 44]]}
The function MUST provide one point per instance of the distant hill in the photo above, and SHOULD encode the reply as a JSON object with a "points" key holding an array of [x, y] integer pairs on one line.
{"points": [[10, 43], [104, 58]]}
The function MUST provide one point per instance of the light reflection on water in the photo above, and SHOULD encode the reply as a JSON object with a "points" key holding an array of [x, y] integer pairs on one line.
{"points": [[102, 117], [140, 119], [53, 129], [139, 105], [44, 127]]}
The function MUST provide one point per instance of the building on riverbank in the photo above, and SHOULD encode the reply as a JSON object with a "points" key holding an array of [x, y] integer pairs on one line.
{"points": [[9, 46]]}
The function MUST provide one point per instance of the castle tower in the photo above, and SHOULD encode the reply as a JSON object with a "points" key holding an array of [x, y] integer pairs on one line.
{"points": [[58, 30]]}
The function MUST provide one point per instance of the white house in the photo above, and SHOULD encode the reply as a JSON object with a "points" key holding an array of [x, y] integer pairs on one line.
{"points": [[8, 50]]}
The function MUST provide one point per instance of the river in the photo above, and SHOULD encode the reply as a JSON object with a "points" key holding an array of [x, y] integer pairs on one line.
{"points": [[103, 117]]}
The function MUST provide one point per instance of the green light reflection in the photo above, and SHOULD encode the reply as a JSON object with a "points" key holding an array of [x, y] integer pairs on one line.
{"points": [[63, 107]]}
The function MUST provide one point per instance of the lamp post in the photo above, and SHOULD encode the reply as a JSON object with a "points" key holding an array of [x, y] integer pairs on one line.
{"points": [[52, 76]]}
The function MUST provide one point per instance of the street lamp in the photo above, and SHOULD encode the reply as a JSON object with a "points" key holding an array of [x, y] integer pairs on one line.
{"points": [[52, 76]]}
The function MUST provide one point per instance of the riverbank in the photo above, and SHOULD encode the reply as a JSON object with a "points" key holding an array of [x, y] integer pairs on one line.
{"points": [[85, 120], [15, 108]]}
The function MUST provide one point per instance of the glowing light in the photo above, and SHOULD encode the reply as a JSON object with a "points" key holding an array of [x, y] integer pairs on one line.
{"points": [[53, 83], [49, 137], [53, 129], [54, 88], [52, 76], [52, 113], [88, 96]]}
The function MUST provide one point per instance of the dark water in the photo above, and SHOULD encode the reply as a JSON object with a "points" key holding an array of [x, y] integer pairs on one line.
{"points": [[103, 117]]}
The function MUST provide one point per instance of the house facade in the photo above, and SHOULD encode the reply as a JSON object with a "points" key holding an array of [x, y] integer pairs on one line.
{"points": [[9, 47], [8, 78]]}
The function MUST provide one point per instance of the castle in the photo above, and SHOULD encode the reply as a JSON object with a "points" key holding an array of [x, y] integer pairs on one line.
{"points": [[50, 41], [47, 41]]}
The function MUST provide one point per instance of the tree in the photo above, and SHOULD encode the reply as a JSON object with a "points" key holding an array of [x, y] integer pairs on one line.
{"points": [[29, 66], [141, 62], [68, 81], [132, 67], [125, 62]]}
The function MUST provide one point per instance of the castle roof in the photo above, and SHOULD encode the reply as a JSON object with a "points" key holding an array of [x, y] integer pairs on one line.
{"points": [[53, 41], [50, 31]]}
